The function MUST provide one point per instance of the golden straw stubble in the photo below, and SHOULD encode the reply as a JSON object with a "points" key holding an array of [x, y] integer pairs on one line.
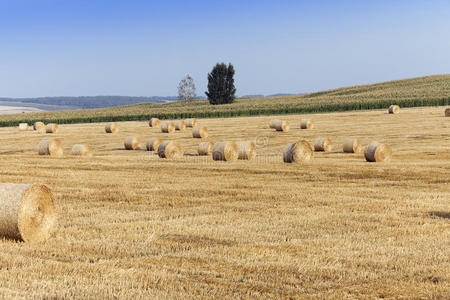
{"points": [[394, 109], [226, 151], [27, 212], [246, 150], [82, 150], [170, 149], [352, 145], [205, 148], [153, 144], [299, 152], [307, 124], [168, 127], [200, 132], [323, 144], [377, 152], [111, 128], [51, 147], [154, 122]]}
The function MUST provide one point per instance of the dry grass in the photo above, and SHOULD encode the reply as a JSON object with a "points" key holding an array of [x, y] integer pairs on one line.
{"points": [[136, 226]]}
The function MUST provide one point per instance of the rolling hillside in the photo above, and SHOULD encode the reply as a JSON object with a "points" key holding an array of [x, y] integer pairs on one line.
{"points": [[422, 91]]}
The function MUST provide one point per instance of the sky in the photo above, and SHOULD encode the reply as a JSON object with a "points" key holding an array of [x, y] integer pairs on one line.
{"points": [[144, 48]]}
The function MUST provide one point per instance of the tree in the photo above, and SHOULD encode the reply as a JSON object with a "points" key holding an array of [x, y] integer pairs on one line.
{"points": [[221, 88], [186, 89]]}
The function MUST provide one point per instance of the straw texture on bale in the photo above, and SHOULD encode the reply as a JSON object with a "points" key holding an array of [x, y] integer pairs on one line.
{"points": [[38, 126], [352, 146], [227, 151], [154, 122], [246, 150], [23, 126], [111, 128], [394, 109], [377, 152], [51, 147], [447, 112], [280, 125], [131, 143], [323, 144], [153, 144], [180, 125], [307, 124], [170, 149], [299, 152], [27, 212], [191, 122], [82, 150], [272, 123], [51, 128], [168, 127], [200, 132], [205, 148]]}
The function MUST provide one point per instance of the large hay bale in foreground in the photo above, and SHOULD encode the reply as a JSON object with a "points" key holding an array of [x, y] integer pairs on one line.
{"points": [[377, 152], [168, 127], [131, 143], [23, 126], [299, 152], [352, 146], [27, 212], [205, 148], [279, 125], [246, 150], [51, 147], [191, 122], [323, 145], [226, 151], [307, 124], [180, 125], [82, 150], [153, 144], [394, 109], [200, 132], [51, 128], [38, 126], [111, 128], [154, 122], [447, 112], [170, 149]]}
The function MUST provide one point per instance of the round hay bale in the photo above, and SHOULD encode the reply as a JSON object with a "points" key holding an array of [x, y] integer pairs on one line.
{"points": [[191, 122], [323, 145], [180, 125], [307, 124], [272, 123], [200, 132], [170, 149], [352, 146], [394, 109], [226, 151], [154, 122], [246, 150], [82, 150], [23, 126], [377, 152], [27, 212], [299, 152], [168, 127], [51, 128], [205, 148], [111, 128], [447, 112], [131, 143], [153, 144], [51, 147], [38, 126], [280, 125]]}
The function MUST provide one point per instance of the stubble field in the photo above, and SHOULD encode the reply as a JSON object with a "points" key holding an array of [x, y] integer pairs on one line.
{"points": [[132, 225]]}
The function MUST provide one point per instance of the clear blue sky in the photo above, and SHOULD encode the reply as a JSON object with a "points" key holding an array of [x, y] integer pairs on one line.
{"points": [[144, 48]]}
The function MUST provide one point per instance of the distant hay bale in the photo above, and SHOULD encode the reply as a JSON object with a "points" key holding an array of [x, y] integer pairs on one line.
{"points": [[200, 132], [227, 151], [154, 122], [23, 126], [447, 112], [352, 146], [307, 124], [170, 149], [27, 212], [180, 125], [279, 125], [246, 150], [51, 128], [168, 127], [205, 148], [111, 128], [82, 150], [153, 144], [323, 144], [377, 152], [38, 126], [394, 109], [51, 147], [191, 122], [299, 152], [131, 143]]}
